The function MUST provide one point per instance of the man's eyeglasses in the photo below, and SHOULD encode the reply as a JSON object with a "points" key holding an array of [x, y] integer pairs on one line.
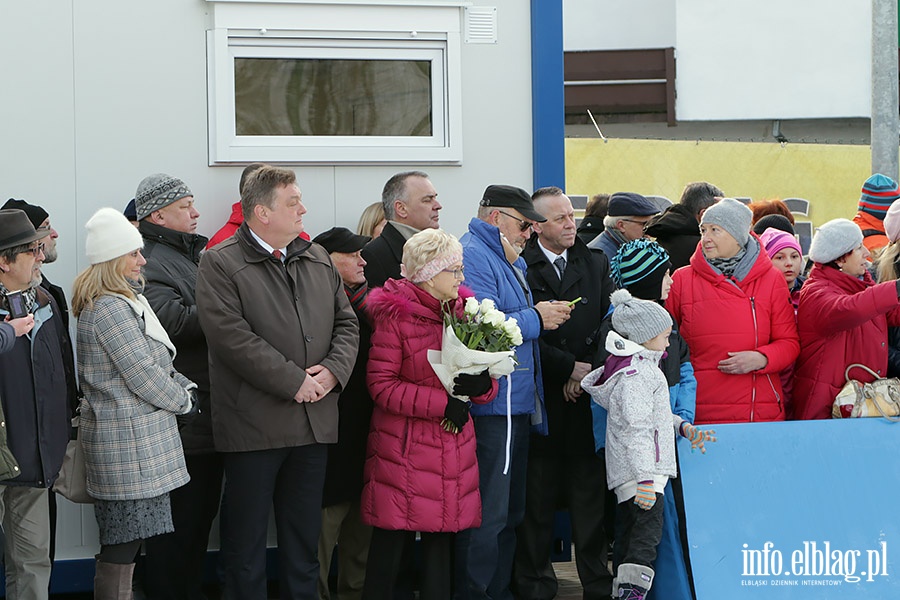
{"points": [[457, 273], [35, 251], [641, 223], [523, 224]]}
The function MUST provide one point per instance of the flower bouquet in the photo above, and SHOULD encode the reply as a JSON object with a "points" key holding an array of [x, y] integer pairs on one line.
{"points": [[482, 338]]}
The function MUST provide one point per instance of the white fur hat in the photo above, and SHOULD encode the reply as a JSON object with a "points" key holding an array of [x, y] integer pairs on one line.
{"points": [[109, 236]]}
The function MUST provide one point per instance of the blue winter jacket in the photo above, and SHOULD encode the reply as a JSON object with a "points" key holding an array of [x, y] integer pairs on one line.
{"points": [[490, 275]]}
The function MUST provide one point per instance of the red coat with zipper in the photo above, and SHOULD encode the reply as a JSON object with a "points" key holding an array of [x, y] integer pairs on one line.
{"points": [[418, 477], [717, 315], [842, 320]]}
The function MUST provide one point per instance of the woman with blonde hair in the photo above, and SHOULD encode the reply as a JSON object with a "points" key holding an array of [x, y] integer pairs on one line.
{"points": [[887, 268], [372, 220], [419, 477], [132, 394]]}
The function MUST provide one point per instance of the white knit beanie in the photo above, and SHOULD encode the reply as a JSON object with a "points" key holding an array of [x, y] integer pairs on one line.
{"points": [[834, 239], [109, 236]]}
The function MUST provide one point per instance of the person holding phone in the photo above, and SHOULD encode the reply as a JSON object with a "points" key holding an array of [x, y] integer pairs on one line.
{"points": [[34, 396]]}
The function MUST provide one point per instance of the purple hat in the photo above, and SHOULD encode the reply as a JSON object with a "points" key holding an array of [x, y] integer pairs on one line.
{"points": [[776, 240]]}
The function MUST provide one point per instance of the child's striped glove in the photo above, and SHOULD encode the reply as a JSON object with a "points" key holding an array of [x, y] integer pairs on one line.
{"points": [[696, 436], [646, 495]]}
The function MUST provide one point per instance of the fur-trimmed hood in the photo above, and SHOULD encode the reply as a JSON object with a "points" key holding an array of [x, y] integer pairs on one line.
{"points": [[401, 298]]}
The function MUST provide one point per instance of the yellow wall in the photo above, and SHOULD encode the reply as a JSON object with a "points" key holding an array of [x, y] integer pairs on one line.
{"points": [[829, 176]]}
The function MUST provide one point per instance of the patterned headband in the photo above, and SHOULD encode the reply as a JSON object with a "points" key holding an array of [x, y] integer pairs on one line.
{"points": [[432, 267]]}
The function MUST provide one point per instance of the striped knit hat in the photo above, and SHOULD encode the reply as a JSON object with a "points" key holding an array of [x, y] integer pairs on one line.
{"points": [[878, 193], [639, 266]]}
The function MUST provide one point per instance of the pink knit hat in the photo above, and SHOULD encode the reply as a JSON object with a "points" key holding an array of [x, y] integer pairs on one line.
{"points": [[892, 222], [775, 240]]}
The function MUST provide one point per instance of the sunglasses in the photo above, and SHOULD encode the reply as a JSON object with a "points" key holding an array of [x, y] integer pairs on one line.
{"points": [[523, 225]]}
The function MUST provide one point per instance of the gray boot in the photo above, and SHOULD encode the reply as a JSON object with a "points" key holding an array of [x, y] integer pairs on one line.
{"points": [[632, 582], [112, 581]]}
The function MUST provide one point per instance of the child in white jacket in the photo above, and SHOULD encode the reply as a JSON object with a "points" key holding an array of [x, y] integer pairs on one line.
{"points": [[640, 433]]}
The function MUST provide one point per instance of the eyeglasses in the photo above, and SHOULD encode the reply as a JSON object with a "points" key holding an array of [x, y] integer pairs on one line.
{"points": [[523, 225], [35, 251], [641, 223], [457, 273]]}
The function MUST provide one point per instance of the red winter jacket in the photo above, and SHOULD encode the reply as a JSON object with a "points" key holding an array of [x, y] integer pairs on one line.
{"points": [[717, 315], [418, 477], [842, 320]]}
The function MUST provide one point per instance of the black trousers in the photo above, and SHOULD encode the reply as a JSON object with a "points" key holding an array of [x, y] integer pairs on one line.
{"points": [[386, 552], [580, 481], [638, 532], [173, 565], [291, 481]]}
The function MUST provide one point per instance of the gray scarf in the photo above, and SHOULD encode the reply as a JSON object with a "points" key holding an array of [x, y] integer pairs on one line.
{"points": [[727, 265]]}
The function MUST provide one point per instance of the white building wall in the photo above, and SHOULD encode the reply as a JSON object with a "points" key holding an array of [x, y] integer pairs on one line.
{"points": [[618, 24], [743, 59], [97, 94], [100, 93], [771, 59]]}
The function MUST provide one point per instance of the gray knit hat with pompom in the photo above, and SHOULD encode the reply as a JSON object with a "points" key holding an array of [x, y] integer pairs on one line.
{"points": [[638, 320]]}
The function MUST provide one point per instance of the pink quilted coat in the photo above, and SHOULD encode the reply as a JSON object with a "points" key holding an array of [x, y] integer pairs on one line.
{"points": [[418, 477]]}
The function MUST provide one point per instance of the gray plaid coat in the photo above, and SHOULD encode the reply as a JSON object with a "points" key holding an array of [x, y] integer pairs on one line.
{"points": [[131, 396]]}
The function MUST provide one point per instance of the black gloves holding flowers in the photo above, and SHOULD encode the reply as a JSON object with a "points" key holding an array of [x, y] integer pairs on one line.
{"points": [[456, 415]]}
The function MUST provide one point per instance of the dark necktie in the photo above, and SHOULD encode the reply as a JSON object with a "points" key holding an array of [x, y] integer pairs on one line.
{"points": [[560, 264]]}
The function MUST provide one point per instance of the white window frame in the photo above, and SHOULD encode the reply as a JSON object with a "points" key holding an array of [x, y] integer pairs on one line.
{"points": [[442, 48]]}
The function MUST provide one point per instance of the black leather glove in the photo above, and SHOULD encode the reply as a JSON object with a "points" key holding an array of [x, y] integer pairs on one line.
{"points": [[186, 418], [472, 385], [457, 412]]}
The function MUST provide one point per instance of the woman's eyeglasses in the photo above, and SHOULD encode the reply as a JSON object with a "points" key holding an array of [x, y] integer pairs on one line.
{"points": [[457, 273], [523, 224]]}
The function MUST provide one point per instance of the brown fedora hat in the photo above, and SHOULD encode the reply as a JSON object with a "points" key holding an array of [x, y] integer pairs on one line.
{"points": [[16, 229]]}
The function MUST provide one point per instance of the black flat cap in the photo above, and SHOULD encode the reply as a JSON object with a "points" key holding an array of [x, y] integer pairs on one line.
{"points": [[341, 239], [512, 197]]}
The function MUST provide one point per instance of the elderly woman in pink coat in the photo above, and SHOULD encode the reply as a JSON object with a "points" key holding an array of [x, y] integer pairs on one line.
{"points": [[419, 477]]}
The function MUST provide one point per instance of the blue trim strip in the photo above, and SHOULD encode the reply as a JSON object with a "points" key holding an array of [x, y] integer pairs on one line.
{"points": [[548, 94]]}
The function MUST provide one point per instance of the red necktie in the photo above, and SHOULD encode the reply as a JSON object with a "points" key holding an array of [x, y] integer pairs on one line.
{"points": [[277, 254]]}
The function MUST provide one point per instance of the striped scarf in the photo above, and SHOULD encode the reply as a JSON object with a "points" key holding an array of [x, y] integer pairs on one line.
{"points": [[29, 296], [358, 297]]}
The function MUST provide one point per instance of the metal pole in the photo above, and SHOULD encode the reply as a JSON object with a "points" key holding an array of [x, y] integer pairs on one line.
{"points": [[885, 84]]}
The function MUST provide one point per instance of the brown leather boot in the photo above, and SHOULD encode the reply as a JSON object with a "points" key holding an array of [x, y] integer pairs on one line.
{"points": [[112, 581]]}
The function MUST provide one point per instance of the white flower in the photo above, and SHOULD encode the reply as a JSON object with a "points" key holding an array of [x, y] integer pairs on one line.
{"points": [[516, 337], [487, 305], [471, 306], [494, 318], [511, 326]]}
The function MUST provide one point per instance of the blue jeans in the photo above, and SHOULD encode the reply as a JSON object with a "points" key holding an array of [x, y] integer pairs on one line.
{"points": [[486, 553]]}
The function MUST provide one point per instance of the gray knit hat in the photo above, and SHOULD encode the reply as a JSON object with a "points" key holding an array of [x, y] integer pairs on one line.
{"points": [[638, 320], [834, 239], [732, 216], [157, 191]]}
